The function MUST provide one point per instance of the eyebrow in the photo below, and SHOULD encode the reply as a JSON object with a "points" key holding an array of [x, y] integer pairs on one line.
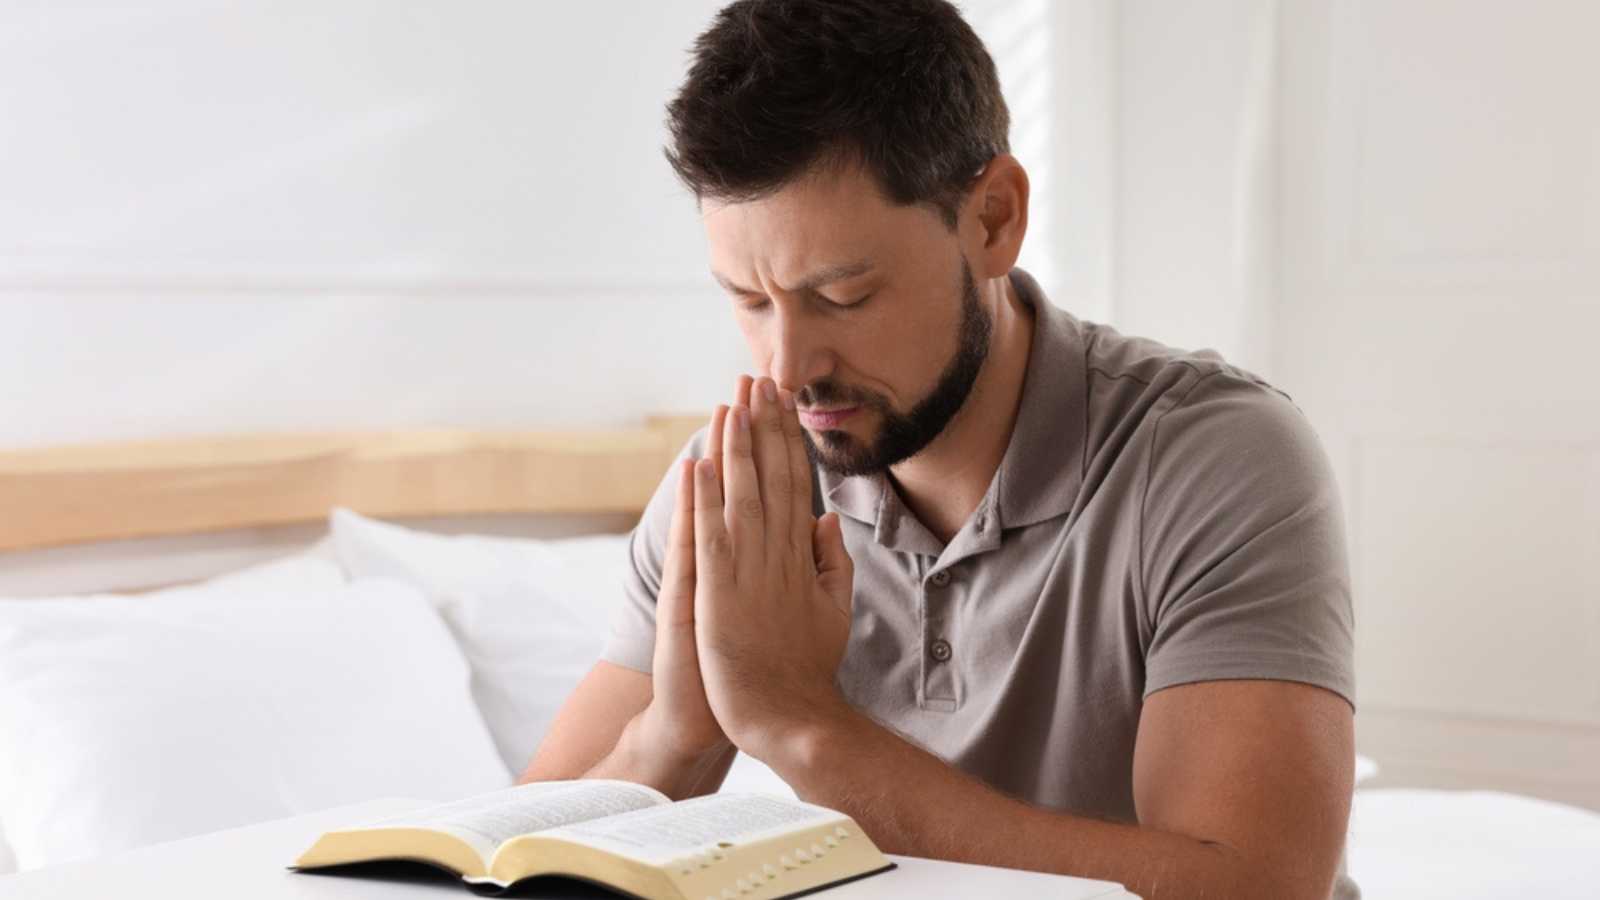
{"points": [[823, 276]]}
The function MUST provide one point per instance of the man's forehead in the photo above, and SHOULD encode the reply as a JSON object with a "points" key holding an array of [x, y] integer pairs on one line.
{"points": [[797, 255], [814, 232]]}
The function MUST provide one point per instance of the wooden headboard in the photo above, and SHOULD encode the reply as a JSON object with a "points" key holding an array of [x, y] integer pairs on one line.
{"points": [[69, 495]]}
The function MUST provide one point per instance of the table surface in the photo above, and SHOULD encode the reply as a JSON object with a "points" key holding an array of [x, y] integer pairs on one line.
{"points": [[249, 864]]}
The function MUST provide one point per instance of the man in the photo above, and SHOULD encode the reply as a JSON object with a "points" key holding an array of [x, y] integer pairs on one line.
{"points": [[1075, 602]]}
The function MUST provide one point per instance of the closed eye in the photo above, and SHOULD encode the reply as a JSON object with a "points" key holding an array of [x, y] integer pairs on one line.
{"points": [[757, 302], [848, 304]]}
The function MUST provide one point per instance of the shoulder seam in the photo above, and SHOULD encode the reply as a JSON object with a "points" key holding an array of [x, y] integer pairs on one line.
{"points": [[1222, 368], [1149, 464], [1121, 375], [1088, 397]]}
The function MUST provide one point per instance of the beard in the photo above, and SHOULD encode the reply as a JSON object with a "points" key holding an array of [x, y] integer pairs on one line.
{"points": [[903, 434]]}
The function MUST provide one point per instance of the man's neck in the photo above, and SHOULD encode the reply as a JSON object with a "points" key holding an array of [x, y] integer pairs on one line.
{"points": [[944, 483]]}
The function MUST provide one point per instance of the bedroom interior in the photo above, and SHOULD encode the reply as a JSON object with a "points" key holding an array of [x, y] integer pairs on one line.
{"points": [[371, 310]]}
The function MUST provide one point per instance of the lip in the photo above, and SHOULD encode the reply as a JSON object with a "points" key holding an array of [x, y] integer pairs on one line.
{"points": [[824, 419]]}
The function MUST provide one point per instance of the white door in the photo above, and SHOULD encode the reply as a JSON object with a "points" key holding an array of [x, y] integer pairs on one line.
{"points": [[1438, 316]]}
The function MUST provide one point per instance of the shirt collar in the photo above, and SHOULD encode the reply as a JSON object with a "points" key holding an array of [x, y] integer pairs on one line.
{"points": [[1042, 469]]}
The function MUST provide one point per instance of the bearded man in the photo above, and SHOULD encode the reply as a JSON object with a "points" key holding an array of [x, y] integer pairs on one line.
{"points": [[1005, 586]]}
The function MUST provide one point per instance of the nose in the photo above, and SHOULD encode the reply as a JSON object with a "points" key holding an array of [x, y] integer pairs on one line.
{"points": [[798, 356]]}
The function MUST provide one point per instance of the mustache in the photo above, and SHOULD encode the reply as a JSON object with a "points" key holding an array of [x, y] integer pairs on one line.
{"points": [[833, 394]]}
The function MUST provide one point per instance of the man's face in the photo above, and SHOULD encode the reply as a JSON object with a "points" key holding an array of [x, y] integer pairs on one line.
{"points": [[865, 309]]}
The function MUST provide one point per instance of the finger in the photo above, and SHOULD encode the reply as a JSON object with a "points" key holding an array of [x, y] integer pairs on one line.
{"points": [[800, 511], [772, 465], [713, 554], [675, 601], [714, 440], [741, 397], [835, 571], [742, 494]]}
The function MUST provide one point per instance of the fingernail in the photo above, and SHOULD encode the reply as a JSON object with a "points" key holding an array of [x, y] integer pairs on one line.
{"points": [[788, 399], [770, 389], [741, 417]]}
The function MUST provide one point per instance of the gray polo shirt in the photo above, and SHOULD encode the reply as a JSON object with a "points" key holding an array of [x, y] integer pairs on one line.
{"points": [[1160, 517]]}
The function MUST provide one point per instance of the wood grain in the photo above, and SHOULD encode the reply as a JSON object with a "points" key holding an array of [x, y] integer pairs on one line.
{"points": [[68, 495]]}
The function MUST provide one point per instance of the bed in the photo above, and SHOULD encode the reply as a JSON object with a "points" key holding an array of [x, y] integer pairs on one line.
{"points": [[371, 658]]}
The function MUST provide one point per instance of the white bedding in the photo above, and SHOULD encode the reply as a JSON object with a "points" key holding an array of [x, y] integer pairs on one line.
{"points": [[1471, 845]]}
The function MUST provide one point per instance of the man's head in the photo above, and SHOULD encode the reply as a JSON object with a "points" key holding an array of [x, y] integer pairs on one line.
{"points": [[852, 166]]}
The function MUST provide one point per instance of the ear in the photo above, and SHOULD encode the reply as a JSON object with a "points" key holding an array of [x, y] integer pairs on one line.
{"points": [[995, 217]]}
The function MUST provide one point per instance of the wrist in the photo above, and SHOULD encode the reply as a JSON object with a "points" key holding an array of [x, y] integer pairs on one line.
{"points": [[646, 753], [654, 733], [797, 742]]}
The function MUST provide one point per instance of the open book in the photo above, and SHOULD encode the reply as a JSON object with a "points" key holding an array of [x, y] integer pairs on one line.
{"points": [[622, 836]]}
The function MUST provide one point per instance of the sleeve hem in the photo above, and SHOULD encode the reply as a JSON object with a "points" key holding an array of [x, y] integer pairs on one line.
{"points": [[1201, 667], [633, 655]]}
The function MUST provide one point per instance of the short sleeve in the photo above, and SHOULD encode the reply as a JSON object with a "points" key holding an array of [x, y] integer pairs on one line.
{"points": [[633, 622], [1244, 564]]}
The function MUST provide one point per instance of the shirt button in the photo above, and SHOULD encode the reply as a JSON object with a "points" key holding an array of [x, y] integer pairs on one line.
{"points": [[941, 578], [940, 650]]}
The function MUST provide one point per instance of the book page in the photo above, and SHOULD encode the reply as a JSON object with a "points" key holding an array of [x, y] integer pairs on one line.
{"points": [[667, 832], [487, 820]]}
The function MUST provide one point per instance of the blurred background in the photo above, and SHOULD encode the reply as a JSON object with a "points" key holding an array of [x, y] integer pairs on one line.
{"points": [[251, 216]]}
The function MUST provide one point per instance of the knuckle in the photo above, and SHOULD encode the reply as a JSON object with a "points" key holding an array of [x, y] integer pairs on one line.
{"points": [[750, 507], [720, 545]]}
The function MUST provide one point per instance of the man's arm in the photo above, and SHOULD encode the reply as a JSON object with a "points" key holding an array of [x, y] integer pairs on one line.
{"points": [[1242, 790]]}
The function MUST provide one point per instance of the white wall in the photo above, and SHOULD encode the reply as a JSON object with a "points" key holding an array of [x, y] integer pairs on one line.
{"points": [[228, 217], [1389, 208], [1195, 172], [267, 215]]}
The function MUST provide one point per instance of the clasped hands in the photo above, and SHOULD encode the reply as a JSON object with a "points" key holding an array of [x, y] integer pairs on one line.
{"points": [[753, 613]]}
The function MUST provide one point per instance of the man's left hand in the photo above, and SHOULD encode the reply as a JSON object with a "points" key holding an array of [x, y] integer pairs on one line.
{"points": [[773, 583]]}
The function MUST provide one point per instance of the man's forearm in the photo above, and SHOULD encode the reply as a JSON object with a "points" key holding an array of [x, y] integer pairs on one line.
{"points": [[915, 804], [638, 758]]}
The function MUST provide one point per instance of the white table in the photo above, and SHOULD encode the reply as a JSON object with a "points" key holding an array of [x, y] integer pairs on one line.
{"points": [[248, 864]]}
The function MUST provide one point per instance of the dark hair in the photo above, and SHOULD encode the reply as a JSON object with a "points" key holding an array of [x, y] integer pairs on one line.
{"points": [[778, 88]]}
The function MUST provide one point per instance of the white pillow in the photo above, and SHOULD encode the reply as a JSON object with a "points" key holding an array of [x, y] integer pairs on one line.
{"points": [[531, 615], [130, 720], [292, 571]]}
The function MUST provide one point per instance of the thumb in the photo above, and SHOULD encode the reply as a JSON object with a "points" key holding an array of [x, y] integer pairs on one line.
{"points": [[835, 571]]}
